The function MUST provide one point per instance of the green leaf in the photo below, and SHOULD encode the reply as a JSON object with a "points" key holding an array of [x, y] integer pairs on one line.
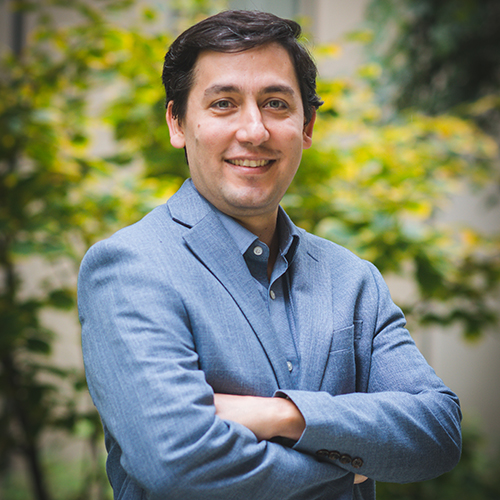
{"points": [[61, 299], [37, 345]]}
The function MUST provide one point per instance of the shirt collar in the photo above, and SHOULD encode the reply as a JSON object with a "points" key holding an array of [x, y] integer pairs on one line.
{"points": [[288, 234], [243, 238]]}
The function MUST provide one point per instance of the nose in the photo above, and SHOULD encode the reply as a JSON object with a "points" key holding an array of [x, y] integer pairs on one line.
{"points": [[251, 127]]}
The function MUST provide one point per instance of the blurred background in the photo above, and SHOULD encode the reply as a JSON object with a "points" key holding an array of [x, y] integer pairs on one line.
{"points": [[404, 171]]}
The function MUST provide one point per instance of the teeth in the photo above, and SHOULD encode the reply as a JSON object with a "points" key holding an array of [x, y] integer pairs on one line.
{"points": [[249, 163]]}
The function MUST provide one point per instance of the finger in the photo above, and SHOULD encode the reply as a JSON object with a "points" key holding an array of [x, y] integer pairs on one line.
{"points": [[358, 479]]}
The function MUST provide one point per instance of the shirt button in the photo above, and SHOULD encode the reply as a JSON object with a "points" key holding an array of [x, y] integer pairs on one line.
{"points": [[257, 250], [290, 366], [272, 294]]}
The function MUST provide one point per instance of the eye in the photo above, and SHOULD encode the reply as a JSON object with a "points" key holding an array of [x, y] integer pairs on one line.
{"points": [[276, 104], [222, 104]]}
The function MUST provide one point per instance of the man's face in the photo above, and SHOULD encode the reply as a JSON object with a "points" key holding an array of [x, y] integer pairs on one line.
{"points": [[243, 130]]}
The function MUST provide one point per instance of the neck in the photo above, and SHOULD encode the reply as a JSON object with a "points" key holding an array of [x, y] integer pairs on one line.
{"points": [[263, 228]]}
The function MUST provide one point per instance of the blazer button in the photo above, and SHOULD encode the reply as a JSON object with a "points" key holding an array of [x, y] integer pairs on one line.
{"points": [[322, 453], [357, 462], [345, 459], [334, 455]]}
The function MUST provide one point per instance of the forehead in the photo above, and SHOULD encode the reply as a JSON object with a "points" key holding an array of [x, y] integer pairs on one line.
{"points": [[247, 70]]}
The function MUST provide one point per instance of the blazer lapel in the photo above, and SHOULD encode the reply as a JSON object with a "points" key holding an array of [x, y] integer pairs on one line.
{"points": [[315, 321], [210, 242]]}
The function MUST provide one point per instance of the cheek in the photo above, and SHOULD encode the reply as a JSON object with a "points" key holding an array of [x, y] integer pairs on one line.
{"points": [[293, 141], [208, 135], [290, 132], [199, 141]]}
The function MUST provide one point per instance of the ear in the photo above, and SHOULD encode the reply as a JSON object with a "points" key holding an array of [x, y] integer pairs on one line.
{"points": [[177, 138], [308, 132]]}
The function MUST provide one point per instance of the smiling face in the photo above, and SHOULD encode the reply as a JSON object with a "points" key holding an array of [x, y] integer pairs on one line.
{"points": [[243, 130]]}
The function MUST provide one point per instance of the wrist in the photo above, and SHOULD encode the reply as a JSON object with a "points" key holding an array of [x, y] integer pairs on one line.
{"points": [[290, 422]]}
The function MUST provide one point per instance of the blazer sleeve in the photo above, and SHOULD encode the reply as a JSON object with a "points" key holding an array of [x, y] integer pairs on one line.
{"points": [[404, 427], [143, 374]]}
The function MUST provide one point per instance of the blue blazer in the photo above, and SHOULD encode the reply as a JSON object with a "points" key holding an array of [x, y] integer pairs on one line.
{"points": [[170, 314]]}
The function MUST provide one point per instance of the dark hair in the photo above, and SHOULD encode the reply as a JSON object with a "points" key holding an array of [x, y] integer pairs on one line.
{"points": [[236, 31]]}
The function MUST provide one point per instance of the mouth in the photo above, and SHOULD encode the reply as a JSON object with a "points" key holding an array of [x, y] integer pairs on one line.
{"points": [[250, 163]]}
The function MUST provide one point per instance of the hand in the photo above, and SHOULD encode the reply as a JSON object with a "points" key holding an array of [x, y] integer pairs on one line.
{"points": [[358, 479], [265, 417]]}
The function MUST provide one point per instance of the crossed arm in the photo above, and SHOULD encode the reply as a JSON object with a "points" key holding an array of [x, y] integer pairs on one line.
{"points": [[265, 417]]}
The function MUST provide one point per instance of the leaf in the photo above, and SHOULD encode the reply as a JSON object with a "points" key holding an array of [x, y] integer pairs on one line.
{"points": [[61, 299], [37, 345]]}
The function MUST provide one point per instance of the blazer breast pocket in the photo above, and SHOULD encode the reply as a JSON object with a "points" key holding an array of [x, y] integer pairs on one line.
{"points": [[339, 376]]}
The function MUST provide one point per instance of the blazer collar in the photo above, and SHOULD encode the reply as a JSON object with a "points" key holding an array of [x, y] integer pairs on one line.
{"points": [[187, 206], [211, 243]]}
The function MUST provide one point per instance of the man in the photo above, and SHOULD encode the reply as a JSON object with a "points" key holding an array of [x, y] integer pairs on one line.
{"points": [[230, 354]]}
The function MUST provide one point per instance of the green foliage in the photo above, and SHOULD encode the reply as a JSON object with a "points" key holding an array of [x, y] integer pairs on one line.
{"points": [[441, 56], [56, 198], [75, 478], [188, 12], [438, 53]]}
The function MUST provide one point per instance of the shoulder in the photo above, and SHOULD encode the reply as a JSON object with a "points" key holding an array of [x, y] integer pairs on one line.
{"points": [[337, 268], [152, 230], [163, 227], [335, 256], [138, 262], [140, 244]]}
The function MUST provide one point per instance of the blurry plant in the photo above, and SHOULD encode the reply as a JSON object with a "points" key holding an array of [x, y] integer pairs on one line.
{"points": [[55, 200], [439, 57], [437, 54], [430, 57], [189, 12]]}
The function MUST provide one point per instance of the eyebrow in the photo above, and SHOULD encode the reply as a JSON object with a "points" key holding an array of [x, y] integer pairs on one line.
{"points": [[231, 89]]}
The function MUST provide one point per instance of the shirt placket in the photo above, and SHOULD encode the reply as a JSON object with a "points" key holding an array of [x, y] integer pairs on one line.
{"points": [[279, 308], [276, 296]]}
